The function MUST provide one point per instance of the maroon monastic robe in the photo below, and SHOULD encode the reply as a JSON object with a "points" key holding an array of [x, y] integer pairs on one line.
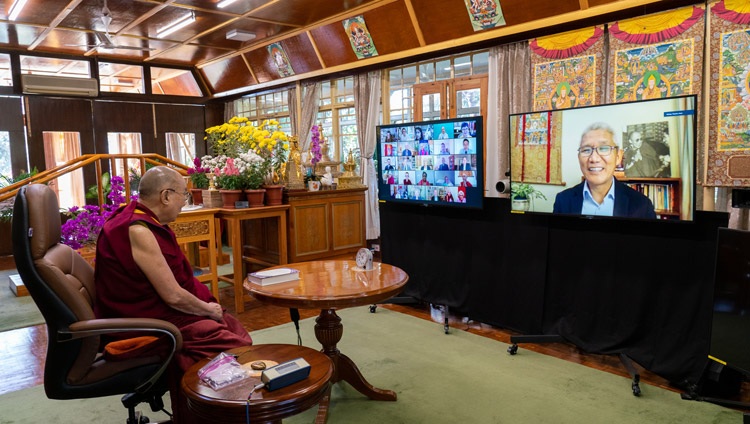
{"points": [[122, 290]]}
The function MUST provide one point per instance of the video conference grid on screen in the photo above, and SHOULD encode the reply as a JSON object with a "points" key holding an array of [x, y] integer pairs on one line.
{"points": [[431, 162]]}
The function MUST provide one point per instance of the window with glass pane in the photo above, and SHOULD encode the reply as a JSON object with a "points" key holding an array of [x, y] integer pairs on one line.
{"points": [[462, 66], [55, 66], [181, 147], [175, 82], [6, 169], [468, 102], [119, 78], [270, 105], [400, 94], [6, 78], [61, 147], [402, 79], [125, 143], [347, 130]]}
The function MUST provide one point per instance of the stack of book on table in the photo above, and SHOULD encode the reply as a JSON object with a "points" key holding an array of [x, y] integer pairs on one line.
{"points": [[273, 276]]}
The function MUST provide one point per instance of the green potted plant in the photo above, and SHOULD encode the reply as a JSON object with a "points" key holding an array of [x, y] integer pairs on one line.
{"points": [[521, 195]]}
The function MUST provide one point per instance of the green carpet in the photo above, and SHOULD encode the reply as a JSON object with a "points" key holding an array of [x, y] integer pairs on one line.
{"points": [[16, 312], [459, 377]]}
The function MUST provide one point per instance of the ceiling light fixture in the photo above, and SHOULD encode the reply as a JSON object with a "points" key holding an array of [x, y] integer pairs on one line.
{"points": [[224, 3], [176, 25], [15, 9], [240, 35]]}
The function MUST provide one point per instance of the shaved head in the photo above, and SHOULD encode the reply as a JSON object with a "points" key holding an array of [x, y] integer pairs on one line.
{"points": [[157, 179]]}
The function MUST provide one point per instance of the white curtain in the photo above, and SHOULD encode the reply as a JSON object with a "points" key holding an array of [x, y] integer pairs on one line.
{"points": [[509, 91], [367, 104], [310, 97]]}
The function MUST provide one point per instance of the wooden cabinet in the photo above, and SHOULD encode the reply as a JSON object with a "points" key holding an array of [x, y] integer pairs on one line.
{"points": [[327, 223], [664, 193]]}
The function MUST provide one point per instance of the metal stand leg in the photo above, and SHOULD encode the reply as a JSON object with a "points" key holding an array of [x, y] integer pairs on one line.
{"points": [[628, 363]]}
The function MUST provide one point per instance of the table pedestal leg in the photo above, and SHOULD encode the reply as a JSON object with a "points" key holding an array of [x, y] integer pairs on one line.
{"points": [[328, 331]]}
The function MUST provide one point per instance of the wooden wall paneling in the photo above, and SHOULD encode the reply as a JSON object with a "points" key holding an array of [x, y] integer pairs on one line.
{"points": [[390, 27], [180, 119], [57, 114], [11, 120], [436, 28], [228, 75], [301, 54], [262, 65], [125, 117]]}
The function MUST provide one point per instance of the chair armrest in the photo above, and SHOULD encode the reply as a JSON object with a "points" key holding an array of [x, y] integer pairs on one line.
{"points": [[98, 327]]}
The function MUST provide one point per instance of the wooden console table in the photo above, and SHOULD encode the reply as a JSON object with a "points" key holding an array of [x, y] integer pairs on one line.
{"points": [[234, 219], [327, 223]]}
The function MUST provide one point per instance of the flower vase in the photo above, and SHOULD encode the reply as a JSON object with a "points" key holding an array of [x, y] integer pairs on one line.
{"points": [[255, 197], [197, 195], [229, 197], [313, 185], [274, 194]]}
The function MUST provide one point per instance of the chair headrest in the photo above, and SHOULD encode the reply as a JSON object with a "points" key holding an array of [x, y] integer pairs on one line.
{"points": [[44, 219]]}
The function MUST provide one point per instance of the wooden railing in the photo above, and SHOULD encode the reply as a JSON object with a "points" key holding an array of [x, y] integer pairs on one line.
{"points": [[97, 161]]}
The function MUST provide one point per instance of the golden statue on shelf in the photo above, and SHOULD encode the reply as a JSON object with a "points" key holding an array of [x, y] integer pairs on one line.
{"points": [[350, 179], [295, 177]]}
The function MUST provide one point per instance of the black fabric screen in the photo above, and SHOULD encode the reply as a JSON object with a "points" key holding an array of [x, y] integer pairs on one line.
{"points": [[642, 288]]}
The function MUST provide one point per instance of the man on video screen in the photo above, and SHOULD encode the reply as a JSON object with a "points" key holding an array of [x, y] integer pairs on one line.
{"points": [[600, 193]]}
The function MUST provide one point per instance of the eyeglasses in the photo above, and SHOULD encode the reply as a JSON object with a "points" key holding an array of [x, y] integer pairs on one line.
{"points": [[601, 150], [185, 194]]}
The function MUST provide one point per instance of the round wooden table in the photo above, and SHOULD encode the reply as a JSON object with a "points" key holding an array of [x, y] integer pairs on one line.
{"points": [[328, 285], [229, 404]]}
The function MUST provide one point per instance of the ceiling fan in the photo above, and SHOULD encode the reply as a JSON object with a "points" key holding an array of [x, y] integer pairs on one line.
{"points": [[105, 39]]}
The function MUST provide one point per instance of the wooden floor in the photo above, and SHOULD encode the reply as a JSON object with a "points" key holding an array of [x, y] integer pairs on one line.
{"points": [[22, 351]]}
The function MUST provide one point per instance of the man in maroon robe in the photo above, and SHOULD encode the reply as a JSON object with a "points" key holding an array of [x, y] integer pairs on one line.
{"points": [[142, 272]]}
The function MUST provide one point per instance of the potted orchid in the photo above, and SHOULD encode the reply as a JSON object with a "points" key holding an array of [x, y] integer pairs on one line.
{"points": [[83, 225], [316, 154]]}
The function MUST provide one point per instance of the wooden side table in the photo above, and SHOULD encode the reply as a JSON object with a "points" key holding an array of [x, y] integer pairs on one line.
{"points": [[229, 405], [234, 219]]}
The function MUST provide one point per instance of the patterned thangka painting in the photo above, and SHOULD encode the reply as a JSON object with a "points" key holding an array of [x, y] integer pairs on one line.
{"points": [[570, 80], [657, 56], [734, 91], [729, 107], [536, 156], [655, 71]]}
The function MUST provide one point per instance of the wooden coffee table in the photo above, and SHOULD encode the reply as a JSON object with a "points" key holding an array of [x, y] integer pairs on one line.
{"points": [[328, 285], [230, 404]]}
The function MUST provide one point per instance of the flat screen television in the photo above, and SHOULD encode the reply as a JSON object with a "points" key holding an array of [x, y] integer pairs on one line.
{"points": [[432, 162], [730, 328], [651, 155]]}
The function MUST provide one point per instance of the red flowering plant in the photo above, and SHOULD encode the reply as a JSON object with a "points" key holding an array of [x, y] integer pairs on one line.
{"points": [[229, 176], [198, 173], [84, 224]]}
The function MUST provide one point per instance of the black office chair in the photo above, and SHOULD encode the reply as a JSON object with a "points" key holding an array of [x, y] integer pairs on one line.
{"points": [[61, 283]]}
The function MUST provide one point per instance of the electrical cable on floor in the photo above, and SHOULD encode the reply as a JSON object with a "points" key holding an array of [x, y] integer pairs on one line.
{"points": [[247, 405]]}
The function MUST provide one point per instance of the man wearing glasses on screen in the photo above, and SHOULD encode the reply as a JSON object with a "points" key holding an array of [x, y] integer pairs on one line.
{"points": [[600, 193]]}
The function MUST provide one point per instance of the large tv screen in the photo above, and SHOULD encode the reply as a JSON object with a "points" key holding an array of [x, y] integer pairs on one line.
{"points": [[432, 162], [627, 160]]}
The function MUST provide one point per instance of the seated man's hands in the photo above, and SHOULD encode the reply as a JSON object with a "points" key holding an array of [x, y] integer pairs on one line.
{"points": [[216, 312]]}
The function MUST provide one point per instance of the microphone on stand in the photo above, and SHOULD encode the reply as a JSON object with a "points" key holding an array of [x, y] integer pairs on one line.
{"points": [[294, 314]]}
